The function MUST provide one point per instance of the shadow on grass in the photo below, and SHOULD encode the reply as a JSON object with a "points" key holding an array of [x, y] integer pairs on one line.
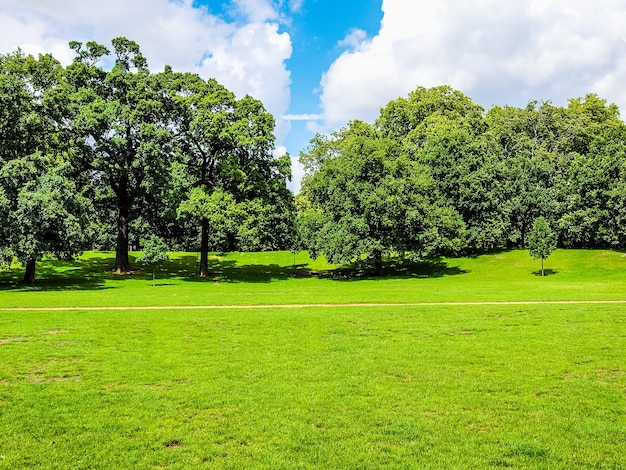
{"points": [[54, 275], [93, 273], [547, 272], [395, 269], [224, 270]]}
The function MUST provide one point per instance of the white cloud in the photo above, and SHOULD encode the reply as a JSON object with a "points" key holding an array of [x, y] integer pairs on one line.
{"points": [[297, 173], [257, 11], [303, 117], [496, 52], [354, 39], [295, 6], [247, 58]]}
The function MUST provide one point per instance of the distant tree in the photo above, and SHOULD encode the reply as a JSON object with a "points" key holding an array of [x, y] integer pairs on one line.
{"points": [[444, 130], [154, 253], [231, 186], [541, 240], [363, 199]]}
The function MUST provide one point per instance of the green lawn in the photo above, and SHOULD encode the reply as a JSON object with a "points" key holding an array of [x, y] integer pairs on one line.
{"points": [[270, 278], [482, 386]]}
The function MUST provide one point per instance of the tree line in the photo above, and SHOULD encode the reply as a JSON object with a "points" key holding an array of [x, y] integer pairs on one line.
{"points": [[104, 153], [436, 173]]}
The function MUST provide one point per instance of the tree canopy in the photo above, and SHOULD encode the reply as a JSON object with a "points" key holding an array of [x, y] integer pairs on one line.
{"points": [[366, 199], [105, 152], [103, 147], [43, 208]]}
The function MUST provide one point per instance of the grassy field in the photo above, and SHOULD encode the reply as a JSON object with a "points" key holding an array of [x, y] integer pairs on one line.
{"points": [[447, 386], [271, 278]]}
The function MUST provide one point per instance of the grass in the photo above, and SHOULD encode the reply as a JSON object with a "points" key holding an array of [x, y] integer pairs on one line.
{"points": [[270, 278], [480, 386]]}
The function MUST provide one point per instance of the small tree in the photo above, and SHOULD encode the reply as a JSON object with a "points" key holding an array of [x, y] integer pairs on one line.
{"points": [[541, 240], [154, 252]]}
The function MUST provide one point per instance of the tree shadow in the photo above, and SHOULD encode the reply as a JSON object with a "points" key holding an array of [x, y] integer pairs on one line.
{"points": [[547, 272], [223, 270], [476, 253], [56, 275], [93, 273], [395, 269]]}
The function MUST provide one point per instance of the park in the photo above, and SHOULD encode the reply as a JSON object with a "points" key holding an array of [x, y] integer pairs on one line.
{"points": [[447, 290], [481, 363]]}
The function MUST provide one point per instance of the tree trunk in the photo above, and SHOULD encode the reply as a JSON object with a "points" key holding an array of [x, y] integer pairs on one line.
{"points": [[122, 263], [29, 274], [378, 263], [542, 273], [204, 250], [153, 275]]}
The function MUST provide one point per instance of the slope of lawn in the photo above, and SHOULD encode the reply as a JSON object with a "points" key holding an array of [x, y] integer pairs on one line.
{"points": [[527, 387], [272, 278], [439, 386]]}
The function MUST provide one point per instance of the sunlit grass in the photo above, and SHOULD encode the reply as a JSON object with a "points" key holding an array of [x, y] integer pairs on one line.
{"points": [[272, 278], [404, 387], [462, 386]]}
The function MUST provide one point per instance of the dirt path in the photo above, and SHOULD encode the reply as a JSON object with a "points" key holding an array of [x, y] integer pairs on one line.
{"points": [[274, 306]]}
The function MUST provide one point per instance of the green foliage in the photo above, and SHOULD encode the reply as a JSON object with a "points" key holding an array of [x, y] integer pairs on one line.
{"points": [[122, 120], [366, 200], [503, 169], [228, 181], [154, 253], [541, 240], [43, 208], [219, 211], [181, 157]]}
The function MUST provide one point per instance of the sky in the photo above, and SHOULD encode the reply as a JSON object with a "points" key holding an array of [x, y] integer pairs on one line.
{"points": [[317, 64]]}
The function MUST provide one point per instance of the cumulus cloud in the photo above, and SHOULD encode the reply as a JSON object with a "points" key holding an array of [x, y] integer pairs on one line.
{"points": [[354, 39], [303, 117], [496, 52], [248, 57], [256, 10]]}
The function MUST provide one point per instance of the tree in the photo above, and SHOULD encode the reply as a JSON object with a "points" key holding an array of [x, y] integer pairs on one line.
{"points": [[154, 253], [217, 210], [43, 208], [364, 199], [121, 118], [230, 182], [541, 240], [531, 149], [444, 130]]}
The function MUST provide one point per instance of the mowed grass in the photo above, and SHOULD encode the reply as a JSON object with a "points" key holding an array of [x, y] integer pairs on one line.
{"points": [[405, 387], [442, 386], [272, 278]]}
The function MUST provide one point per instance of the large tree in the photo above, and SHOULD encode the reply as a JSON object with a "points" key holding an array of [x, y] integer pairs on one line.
{"points": [[444, 130], [364, 199], [122, 119], [230, 182], [50, 215], [42, 207]]}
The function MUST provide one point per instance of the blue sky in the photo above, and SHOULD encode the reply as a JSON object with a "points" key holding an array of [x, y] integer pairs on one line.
{"points": [[317, 29], [316, 64], [316, 33]]}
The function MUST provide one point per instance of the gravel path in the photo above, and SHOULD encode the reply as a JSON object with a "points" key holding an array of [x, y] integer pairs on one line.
{"points": [[274, 306]]}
